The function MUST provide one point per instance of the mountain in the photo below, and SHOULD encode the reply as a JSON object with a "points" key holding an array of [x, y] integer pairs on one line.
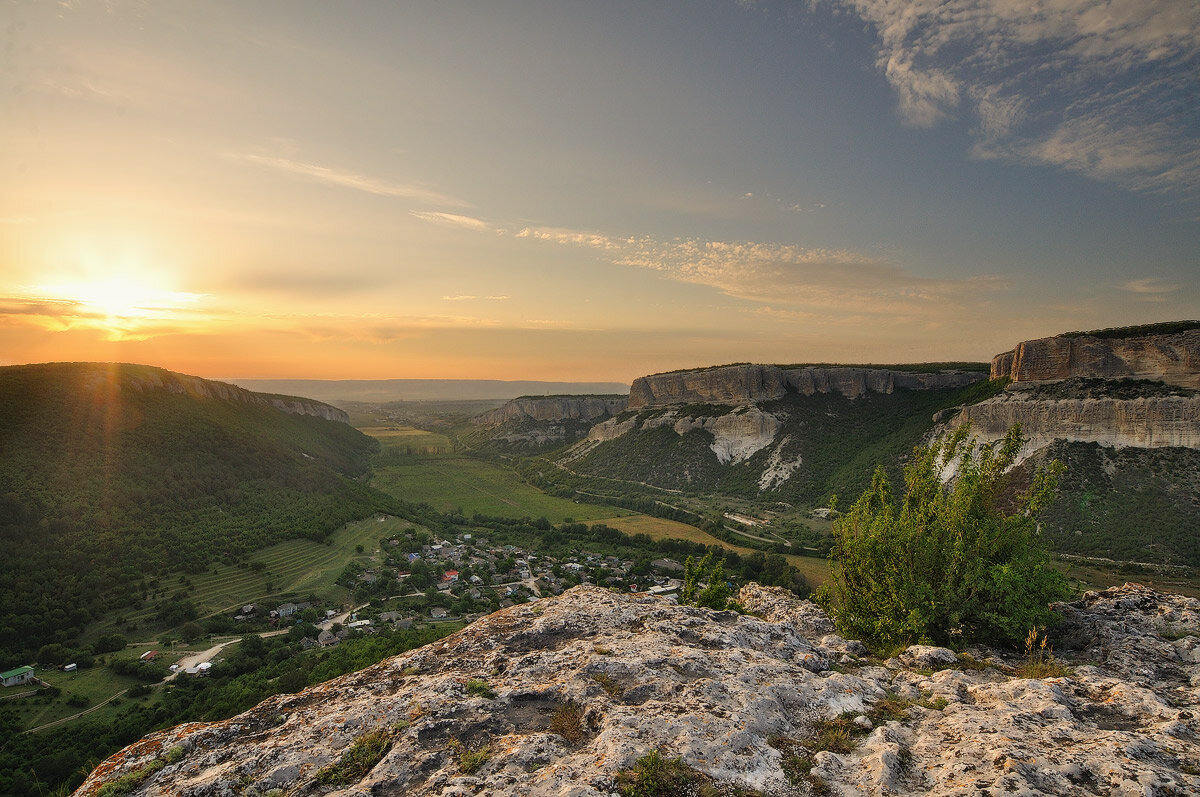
{"points": [[113, 474], [771, 433], [596, 693], [1121, 407], [382, 391], [530, 424]]}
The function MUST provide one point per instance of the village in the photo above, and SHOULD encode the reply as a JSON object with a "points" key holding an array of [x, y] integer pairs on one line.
{"points": [[414, 578]]}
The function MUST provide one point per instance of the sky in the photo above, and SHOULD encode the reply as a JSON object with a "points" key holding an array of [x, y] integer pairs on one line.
{"points": [[589, 190]]}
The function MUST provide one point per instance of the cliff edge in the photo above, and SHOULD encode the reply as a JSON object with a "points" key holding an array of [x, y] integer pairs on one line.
{"points": [[107, 377], [560, 696], [748, 384], [1173, 358]]}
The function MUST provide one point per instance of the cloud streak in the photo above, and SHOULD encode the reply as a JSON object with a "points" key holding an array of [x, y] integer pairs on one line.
{"points": [[453, 220], [779, 274], [354, 181], [1103, 89]]}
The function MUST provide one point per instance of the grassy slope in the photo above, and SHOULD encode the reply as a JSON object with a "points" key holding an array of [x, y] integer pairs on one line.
{"points": [[107, 485], [475, 486]]}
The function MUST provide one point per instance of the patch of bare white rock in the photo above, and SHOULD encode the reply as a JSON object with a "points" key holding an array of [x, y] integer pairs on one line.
{"points": [[725, 692]]}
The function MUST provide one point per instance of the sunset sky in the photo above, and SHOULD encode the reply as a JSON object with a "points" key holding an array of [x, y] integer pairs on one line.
{"points": [[589, 190]]}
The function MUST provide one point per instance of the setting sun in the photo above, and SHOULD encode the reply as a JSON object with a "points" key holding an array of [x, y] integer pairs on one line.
{"points": [[121, 306]]}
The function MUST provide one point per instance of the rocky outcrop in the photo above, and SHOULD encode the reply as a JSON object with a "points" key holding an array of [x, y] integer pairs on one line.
{"points": [[1171, 358], [142, 378], [1086, 415], [553, 408], [855, 382], [746, 384], [737, 435], [575, 689]]}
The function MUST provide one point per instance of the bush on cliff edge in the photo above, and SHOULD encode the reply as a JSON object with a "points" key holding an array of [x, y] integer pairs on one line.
{"points": [[947, 565]]}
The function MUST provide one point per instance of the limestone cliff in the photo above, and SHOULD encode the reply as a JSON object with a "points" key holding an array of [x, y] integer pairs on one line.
{"points": [[553, 408], [579, 687], [143, 378], [1089, 411], [1171, 358], [746, 384], [737, 435]]}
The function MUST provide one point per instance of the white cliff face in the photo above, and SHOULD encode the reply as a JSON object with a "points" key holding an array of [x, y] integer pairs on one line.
{"points": [[1146, 422], [746, 384], [730, 695], [778, 469], [737, 436]]}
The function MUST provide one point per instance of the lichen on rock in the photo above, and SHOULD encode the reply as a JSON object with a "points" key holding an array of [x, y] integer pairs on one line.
{"points": [[744, 699]]}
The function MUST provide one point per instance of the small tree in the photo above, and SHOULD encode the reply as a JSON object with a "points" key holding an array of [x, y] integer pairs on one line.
{"points": [[716, 593], [947, 565]]}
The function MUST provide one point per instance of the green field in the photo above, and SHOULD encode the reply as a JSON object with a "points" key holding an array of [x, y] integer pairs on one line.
{"points": [[453, 482], [415, 441], [815, 569], [292, 568]]}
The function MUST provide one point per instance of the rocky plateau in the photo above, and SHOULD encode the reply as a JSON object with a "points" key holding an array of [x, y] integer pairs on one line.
{"points": [[553, 408], [559, 696], [746, 384], [1170, 358]]}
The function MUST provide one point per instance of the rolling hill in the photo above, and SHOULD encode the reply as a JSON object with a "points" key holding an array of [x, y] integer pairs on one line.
{"points": [[113, 475]]}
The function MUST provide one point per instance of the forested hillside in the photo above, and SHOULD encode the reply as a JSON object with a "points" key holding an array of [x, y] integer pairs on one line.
{"points": [[113, 474]]}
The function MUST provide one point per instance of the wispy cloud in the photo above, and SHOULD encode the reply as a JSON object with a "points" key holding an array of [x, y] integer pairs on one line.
{"points": [[470, 298], [1150, 289], [352, 180], [1103, 89], [452, 220], [778, 274]]}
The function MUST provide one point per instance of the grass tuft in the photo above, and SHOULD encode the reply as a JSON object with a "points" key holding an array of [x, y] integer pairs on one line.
{"points": [[567, 722], [480, 688], [365, 752], [470, 760]]}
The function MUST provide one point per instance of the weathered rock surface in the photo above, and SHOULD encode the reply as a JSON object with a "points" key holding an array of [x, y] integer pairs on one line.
{"points": [[746, 384], [1148, 421], [1174, 358], [553, 408], [726, 693], [737, 435]]}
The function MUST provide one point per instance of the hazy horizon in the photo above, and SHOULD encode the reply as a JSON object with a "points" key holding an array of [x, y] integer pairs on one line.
{"points": [[554, 191]]}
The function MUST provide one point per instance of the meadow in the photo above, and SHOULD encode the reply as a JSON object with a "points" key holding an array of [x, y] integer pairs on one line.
{"points": [[291, 569], [470, 486], [816, 570]]}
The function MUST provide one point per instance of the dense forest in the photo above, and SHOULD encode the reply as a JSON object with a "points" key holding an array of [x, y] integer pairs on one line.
{"points": [[105, 482]]}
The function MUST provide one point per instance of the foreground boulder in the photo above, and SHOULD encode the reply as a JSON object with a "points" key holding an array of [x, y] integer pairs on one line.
{"points": [[561, 696]]}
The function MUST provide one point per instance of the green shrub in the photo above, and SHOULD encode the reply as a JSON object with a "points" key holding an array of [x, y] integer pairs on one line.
{"points": [[366, 751], [653, 775], [470, 760], [480, 688], [952, 565], [125, 784]]}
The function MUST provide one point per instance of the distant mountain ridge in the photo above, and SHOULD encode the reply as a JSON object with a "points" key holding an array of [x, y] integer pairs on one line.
{"points": [[124, 376], [388, 390]]}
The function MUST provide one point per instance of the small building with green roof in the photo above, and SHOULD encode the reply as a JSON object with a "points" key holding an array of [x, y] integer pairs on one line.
{"points": [[21, 675]]}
